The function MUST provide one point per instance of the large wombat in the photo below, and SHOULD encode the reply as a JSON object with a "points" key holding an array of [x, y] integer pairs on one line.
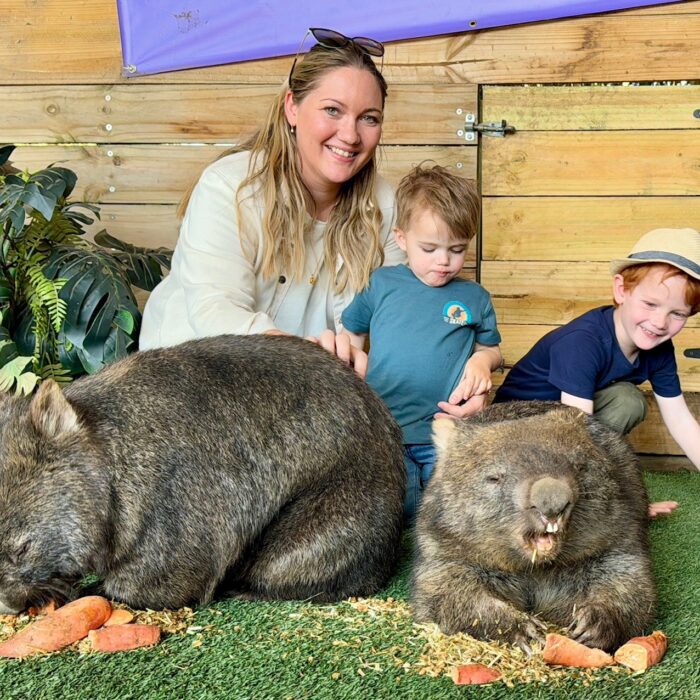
{"points": [[259, 463], [534, 509]]}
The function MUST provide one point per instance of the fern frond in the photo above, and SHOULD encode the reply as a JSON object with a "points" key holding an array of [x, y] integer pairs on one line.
{"points": [[44, 293], [61, 229], [57, 372]]}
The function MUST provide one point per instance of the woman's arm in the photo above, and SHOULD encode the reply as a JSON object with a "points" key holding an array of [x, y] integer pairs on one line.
{"points": [[218, 280]]}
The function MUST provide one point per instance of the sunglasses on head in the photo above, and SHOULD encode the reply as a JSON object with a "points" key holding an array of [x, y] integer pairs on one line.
{"points": [[330, 39]]}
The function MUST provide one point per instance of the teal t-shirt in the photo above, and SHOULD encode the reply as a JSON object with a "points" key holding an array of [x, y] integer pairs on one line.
{"points": [[420, 339]]}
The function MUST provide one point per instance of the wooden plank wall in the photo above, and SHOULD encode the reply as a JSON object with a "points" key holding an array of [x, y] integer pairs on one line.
{"points": [[589, 169], [137, 143]]}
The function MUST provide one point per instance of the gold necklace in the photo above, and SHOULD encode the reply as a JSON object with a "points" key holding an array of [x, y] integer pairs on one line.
{"points": [[314, 275]]}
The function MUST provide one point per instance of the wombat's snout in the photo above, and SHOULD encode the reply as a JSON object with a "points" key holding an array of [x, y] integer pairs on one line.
{"points": [[550, 502], [550, 497]]}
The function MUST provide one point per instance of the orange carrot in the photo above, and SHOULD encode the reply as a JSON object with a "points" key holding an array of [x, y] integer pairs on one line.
{"points": [[563, 651], [641, 652], [474, 674], [119, 616], [58, 629], [124, 637]]}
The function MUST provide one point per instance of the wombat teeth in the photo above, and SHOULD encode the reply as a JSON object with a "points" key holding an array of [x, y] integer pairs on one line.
{"points": [[552, 527]]}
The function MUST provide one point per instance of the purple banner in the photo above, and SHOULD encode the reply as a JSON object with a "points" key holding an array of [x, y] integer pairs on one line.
{"points": [[163, 35]]}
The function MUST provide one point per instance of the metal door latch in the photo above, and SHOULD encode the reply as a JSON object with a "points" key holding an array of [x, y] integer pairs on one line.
{"points": [[692, 352], [497, 129]]}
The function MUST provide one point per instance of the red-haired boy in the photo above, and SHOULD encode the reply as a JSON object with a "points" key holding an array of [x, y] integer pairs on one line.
{"points": [[595, 361]]}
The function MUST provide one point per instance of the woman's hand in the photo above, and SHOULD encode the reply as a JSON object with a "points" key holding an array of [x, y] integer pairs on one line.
{"points": [[343, 349]]}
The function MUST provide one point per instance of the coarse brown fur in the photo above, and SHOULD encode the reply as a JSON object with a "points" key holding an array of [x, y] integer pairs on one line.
{"points": [[535, 512], [259, 463]]}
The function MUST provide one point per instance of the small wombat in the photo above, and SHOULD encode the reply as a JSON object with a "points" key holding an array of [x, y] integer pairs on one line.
{"points": [[534, 509], [259, 463]]}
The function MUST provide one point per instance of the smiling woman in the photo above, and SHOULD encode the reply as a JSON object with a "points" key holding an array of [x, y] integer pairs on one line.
{"points": [[338, 126], [279, 233]]}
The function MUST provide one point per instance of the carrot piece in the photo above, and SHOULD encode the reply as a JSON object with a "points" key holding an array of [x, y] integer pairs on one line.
{"points": [[642, 652], [474, 674], [124, 637], [119, 616], [563, 651], [59, 628]]}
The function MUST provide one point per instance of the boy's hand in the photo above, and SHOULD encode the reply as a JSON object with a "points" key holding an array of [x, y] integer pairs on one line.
{"points": [[471, 406], [476, 378], [471, 394], [662, 508]]}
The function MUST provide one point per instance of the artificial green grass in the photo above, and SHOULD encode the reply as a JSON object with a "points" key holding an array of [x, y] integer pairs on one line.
{"points": [[294, 650]]}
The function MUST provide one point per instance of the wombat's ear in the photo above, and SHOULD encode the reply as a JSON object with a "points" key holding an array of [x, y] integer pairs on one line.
{"points": [[442, 430], [51, 413]]}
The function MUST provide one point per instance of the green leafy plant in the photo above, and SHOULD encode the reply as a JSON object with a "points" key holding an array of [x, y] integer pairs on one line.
{"points": [[66, 303]]}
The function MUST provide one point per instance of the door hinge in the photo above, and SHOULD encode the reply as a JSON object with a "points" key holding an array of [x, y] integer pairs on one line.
{"points": [[497, 129]]}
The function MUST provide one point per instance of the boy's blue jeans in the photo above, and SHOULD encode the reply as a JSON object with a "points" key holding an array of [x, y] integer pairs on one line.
{"points": [[419, 461]]}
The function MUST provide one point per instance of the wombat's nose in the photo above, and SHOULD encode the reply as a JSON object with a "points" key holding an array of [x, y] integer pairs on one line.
{"points": [[550, 496]]}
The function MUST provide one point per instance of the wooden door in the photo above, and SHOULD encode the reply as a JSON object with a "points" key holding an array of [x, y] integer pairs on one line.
{"points": [[588, 170]]}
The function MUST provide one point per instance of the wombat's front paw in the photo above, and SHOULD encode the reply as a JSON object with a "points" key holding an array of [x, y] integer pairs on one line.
{"points": [[523, 632], [592, 626]]}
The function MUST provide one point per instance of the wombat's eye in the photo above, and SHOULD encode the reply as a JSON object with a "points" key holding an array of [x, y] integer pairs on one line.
{"points": [[494, 478]]}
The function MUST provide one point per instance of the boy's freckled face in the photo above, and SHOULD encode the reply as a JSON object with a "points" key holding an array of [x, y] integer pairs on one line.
{"points": [[434, 255], [651, 313]]}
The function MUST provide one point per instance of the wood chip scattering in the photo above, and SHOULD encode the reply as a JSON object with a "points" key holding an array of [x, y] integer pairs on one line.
{"points": [[424, 649], [375, 636]]}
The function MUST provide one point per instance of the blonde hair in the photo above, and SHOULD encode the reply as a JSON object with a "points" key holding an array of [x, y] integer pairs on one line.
{"points": [[454, 199], [353, 228]]}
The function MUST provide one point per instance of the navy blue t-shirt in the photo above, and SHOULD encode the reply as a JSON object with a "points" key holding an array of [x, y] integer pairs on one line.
{"points": [[583, 357], [420, 339]]}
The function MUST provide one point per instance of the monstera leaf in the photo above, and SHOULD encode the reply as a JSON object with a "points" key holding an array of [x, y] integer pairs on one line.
{"points": [[6, 166], [144, 266], [66, 304], [40, 191], [102, 319]]}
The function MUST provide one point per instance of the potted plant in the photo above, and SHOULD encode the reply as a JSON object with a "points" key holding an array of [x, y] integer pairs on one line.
{"points": [[66, 303]]}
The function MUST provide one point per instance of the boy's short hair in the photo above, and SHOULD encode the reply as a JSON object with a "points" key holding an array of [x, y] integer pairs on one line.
{"points": [[632, 276], [454, 199]]}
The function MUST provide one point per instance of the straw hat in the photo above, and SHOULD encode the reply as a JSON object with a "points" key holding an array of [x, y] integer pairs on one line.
{"points": [[679, 247]]}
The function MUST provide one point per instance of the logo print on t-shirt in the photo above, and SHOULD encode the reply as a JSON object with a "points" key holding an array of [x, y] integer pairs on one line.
{"points": [[456, 313]]}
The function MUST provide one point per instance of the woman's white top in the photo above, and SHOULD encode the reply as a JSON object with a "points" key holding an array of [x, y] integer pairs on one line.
{"points": [[213, 288]]}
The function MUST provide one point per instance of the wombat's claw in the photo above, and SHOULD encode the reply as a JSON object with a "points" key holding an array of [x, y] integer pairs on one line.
{"points": [[530, 631], [588, 628], [521, 644], [539, 623]]}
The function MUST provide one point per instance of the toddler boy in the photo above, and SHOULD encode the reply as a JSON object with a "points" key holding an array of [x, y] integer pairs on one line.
{"points": [[433, 337]]}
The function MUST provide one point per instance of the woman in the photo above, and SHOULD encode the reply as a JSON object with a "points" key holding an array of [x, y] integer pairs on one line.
{"points": [[278, 236]]}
